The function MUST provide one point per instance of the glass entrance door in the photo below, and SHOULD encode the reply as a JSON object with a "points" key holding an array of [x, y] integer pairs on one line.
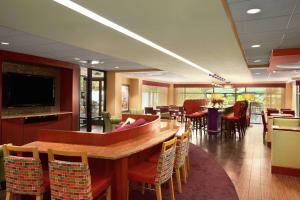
{"points": [[92, 99]]}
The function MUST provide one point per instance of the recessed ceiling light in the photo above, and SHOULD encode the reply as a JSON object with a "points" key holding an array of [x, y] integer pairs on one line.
{"points": [[116, 67], [83, 61], [95, 62], [257, 73], [76, 58], [5, 43], [94, 16], [101, 62], [253, 11], [255, 45], [274, 71], [256, 61]]}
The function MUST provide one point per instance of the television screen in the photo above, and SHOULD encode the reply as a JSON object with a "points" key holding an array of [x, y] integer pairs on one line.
{"points": [[22, 90]]}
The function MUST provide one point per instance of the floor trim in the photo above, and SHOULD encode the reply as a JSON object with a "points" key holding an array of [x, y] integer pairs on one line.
{"points": [[286, 171]]}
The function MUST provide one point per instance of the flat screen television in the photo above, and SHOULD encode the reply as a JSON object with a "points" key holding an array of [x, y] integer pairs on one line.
{"points": [[25, 90]]}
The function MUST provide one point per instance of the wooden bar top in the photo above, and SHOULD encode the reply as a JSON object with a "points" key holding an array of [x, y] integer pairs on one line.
{"points": [[117, 150], [34, 115]]}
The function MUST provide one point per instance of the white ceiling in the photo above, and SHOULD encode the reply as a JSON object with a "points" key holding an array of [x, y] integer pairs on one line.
{"points": [[195, 29], [276, 27], [34, 45]]}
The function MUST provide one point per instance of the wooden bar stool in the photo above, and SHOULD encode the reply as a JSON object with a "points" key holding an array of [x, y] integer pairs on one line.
{"points": [[24, 175], [72, 180], [180, 162], [156, 173]]}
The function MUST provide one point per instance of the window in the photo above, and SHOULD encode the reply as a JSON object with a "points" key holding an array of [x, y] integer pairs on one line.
{"points": [[268, 97], [154, 96]]}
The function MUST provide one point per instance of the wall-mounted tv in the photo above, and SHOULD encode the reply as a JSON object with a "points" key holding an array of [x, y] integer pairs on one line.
{"points": [[25, 90]]}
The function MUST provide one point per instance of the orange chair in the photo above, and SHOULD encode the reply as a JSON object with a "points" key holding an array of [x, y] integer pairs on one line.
{"points": [[157, 173], [24, 175], [72, 180]]}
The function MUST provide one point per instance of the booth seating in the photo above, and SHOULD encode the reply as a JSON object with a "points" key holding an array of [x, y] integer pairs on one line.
{"points": [[196, 113], [73, 180], [272, 110], [150, 110], [156, 173], [291, 112], [24, 175], [236, 121]]}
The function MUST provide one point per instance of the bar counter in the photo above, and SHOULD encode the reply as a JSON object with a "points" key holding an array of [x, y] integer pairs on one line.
{"points": [[113, 156]]}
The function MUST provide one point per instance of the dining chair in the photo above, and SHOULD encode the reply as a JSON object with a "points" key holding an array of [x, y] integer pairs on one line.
{"points": [[24, 175], [156, 173], [265, 124], [73, 180]]}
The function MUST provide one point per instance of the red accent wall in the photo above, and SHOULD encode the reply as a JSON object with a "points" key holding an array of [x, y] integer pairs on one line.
{"points": [[153, 83], [237, 85], [69, 98]]}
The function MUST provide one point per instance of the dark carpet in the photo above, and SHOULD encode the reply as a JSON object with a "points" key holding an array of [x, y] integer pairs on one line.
{"points": [[207, 181]]}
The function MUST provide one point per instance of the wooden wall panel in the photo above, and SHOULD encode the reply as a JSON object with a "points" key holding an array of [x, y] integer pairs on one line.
{"points": [[12, 131]]}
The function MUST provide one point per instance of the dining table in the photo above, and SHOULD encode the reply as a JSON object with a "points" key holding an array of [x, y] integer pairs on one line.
{"points": [[215, 114]]}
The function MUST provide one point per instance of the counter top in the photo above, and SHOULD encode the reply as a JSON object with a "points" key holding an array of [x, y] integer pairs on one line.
{"points": [[34, 115]]}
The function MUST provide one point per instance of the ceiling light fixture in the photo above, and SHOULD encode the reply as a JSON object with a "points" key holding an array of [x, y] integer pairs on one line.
{"points": [[84, 11], [257, 73], [83, 61], [101, 62], [116, 67], [255, 45], [253, 11], [95, 62], [5, 43], [256, 61], [76, 58], [274, 71]]}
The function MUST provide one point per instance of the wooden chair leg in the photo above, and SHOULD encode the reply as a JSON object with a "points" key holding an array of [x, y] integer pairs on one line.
{"points": [[158, 192], [183, 170], [178, 180], [8, 196], [39, 197], [128, 189], [188, 163], [143, 188], [108, 193], [171, 188]]}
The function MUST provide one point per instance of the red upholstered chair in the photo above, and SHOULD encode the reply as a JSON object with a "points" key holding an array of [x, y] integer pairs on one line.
{"points": [[236, 121], [24, 175], [159, 172], [195, 112], [265, 124], [72, 180]]}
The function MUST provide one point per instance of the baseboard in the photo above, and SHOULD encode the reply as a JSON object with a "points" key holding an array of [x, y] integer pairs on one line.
{"points": [[286, 171]]}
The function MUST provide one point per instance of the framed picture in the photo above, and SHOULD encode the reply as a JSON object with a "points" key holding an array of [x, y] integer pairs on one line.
{"points": [[125, 98]]}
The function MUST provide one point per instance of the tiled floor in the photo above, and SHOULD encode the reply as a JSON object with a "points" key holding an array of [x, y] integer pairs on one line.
{"points": [[248, 164]]}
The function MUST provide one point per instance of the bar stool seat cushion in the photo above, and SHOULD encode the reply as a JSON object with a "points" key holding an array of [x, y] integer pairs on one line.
{"points": [[143, 172], [99, 184], [154, 158], [195, 115]]}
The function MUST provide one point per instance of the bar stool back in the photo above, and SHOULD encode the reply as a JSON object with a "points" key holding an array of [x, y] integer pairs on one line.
{"points": [[24, 175], [180, 160], [72, 180]]}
